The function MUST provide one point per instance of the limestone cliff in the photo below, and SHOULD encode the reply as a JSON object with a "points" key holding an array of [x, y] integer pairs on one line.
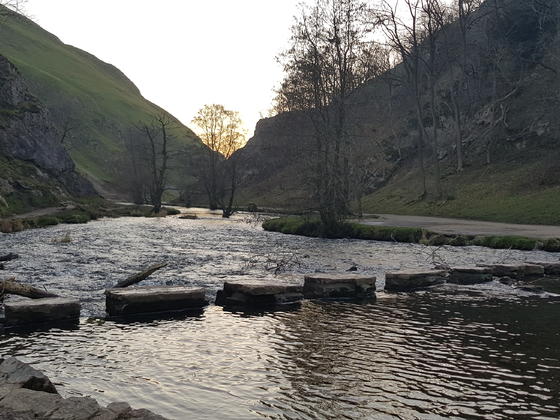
{"points": [[35, 169]]}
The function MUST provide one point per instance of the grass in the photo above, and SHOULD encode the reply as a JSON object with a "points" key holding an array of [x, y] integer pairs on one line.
{"points": [[513, 192], [76, 86], [311, 226]]}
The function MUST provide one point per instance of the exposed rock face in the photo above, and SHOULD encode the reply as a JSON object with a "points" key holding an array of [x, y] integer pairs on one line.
{"points": [[42, 310], [235, 294], [28, 134], [140, 300], [353, 286], [407, 281], [26, 393]]}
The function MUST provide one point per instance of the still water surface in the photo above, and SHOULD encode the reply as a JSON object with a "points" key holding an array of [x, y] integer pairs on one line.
{"points": [[472, 352]]}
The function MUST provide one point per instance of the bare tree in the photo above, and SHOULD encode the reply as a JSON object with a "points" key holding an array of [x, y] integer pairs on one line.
{"points": [[156, 136], [330, 56], [221, 131], [17, 6], [404, 34]]}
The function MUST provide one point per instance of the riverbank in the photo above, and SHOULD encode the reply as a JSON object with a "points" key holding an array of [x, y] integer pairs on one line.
{"points": [[77, 214], [421, 230]]}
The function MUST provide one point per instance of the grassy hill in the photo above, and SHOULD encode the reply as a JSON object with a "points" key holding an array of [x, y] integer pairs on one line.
{"points": [[94, 98]]}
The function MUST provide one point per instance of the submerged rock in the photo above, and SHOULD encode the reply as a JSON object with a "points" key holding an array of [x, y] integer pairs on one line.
{"points": [[26, 393], [141, 300], [353, 286], [470, 275], [237, 294], [410, 280], [41, 311]]}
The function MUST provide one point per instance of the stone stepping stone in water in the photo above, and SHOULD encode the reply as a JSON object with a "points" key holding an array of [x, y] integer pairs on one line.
{"points": [[516, 271], [240, 294], [550, 268], [150, 299], [411, 280], [46, 310], [470, 275], [338, 286]]}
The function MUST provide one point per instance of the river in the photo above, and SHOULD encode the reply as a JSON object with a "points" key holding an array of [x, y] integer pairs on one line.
{"points": [[487, 351]]}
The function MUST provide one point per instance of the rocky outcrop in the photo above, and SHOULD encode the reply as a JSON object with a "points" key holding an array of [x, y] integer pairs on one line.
{"points": [[29, 136], [26, 393]]}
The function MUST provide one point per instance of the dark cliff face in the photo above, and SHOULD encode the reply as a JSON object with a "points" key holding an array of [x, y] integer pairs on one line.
{"points": [[28, 135]]}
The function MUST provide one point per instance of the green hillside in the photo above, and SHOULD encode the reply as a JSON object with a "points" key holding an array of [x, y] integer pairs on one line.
{"points": [[94, 98]]}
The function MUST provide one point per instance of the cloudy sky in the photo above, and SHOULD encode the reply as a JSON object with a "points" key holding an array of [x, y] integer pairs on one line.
{"points": [[182, 54]]}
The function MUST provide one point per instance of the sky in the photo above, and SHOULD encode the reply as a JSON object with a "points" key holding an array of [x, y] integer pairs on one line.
{"points": [[182, 54]]}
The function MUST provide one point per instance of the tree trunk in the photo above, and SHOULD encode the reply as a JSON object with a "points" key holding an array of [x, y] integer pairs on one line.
{"points": [[140, 276], [11, 287]]}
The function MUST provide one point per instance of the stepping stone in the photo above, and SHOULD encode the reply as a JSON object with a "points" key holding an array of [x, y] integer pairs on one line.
{"points": [[410, 280], [238, 294], [41, 311], [142, 300], [329, 286], [550, 268], [470, 275], [517, 271]]}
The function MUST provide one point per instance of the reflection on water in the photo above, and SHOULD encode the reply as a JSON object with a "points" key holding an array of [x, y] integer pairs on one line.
{"points": [[457, 352]]}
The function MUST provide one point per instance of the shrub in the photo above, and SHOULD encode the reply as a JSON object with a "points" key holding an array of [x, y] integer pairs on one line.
{"points": [[506, 242], [171, 211], [46, 221], [551, 245], [76, 218]]}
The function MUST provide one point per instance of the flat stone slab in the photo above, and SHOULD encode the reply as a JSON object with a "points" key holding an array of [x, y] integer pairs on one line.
{"points": [[517, 271], [410, 280], [470, 275], [336, 286], [242, 294], [550, 268], [140, 300], [41, 311]]}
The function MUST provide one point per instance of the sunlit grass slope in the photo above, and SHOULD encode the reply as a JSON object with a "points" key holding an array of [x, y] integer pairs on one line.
{"points": [[95, 98]]}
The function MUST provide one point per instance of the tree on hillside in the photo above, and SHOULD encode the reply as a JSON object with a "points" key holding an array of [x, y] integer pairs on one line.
{"points": [[404, 34], [221, 131], [330, 55], [434, 17]]}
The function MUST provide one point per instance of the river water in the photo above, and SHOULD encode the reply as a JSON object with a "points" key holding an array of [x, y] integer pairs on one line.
{"points": [[489, 351]]}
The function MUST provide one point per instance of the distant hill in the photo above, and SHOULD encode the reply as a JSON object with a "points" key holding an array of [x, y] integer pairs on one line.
{"points": [[511, 132], [93, 101]]}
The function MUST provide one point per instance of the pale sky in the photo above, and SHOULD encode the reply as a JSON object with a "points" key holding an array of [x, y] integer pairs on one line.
{"points": [[182, 54]]}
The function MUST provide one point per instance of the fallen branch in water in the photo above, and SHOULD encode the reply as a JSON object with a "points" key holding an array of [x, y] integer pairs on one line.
{"points": [[140, 276], [12, 287]]}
